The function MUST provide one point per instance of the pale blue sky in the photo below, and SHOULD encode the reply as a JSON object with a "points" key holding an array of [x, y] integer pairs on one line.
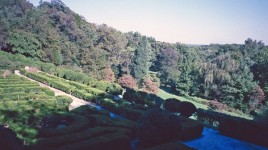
{"points": [[186, 21]]}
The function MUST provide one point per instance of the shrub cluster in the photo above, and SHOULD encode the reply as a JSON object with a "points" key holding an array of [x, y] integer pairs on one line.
{"points": [[71, 87], [83, 78], [140, 97]]}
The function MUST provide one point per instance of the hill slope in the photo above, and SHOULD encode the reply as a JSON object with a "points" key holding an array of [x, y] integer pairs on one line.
{"points": [[231, 74]]}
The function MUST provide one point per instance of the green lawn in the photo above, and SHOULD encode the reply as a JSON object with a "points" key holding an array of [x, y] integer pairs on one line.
{"points": [[165, 95]]}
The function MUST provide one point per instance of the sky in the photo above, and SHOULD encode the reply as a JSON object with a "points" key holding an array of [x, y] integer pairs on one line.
{"points": [[185, 21]]}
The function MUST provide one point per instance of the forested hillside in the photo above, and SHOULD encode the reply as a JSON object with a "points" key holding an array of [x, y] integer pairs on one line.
{"points": [[232, 74]]}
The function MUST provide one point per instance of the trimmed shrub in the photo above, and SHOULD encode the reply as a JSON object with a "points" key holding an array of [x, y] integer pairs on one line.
{"points": [[127, 124], [133, 114], [101, 85], [48, 91], [114, 89], [88, 110], [79, 123], [40, 78], [22, 71], [139, 107], [83, 95], [110, 105], [48, 67], [109, 141], [171, 104], [78, 85], [191, 129], [64, 100], [156, 127], [186, 108], [62, 86], [245, 130], [96, 92], [140, 97], [14, 89], [73, 137]]}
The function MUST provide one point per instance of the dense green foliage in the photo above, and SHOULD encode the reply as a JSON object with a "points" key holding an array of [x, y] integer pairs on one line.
{"points": [[53, 33], [23, 104]]}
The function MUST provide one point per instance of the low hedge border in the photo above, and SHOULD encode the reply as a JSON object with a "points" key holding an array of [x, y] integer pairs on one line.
{"points": [[79, 123]]}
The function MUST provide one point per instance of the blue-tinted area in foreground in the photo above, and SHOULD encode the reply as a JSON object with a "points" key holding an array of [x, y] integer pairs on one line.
{"points": [[212, 140]]}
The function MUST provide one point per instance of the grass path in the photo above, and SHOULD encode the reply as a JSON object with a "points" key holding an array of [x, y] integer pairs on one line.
{"points": [[76, 101]]}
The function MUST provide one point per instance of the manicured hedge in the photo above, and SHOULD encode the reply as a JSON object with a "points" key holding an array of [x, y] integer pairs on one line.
{"points": [[133, 114], [83, 78], [110, 105], [62, 86], [79, 123], [39, 77], [13, 89], [140, 97], [96, 92], [83, 95], [191, 128], [75, 76], [77, 136], [243, 129], [23, 115], [18, 85], [64, 100], [109, 141]]}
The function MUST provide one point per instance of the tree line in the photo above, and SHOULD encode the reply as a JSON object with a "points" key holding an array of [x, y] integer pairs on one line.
{"points": [[233, 74]]}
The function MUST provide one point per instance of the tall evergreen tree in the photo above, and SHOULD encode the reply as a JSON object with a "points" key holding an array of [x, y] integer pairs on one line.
{"points": [[141, 61]]}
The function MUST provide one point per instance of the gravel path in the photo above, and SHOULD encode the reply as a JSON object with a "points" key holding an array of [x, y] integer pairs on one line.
{"points": [[76, 101]]}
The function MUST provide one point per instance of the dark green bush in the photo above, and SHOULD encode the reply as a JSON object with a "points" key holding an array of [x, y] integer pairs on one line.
{"points": [[86, 110], [243, 129], [156, 127], [191, 129], [140, 97], [73, 137], [133, 114], [48, 67], [101, 85], [171, 104], [109, 141], [186, 108], [114, 89], [22, 116], [79, 123], [110, 105]]}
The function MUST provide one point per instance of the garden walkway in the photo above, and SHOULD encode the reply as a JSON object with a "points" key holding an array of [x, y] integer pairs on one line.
{"points": [[76, 101]]}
